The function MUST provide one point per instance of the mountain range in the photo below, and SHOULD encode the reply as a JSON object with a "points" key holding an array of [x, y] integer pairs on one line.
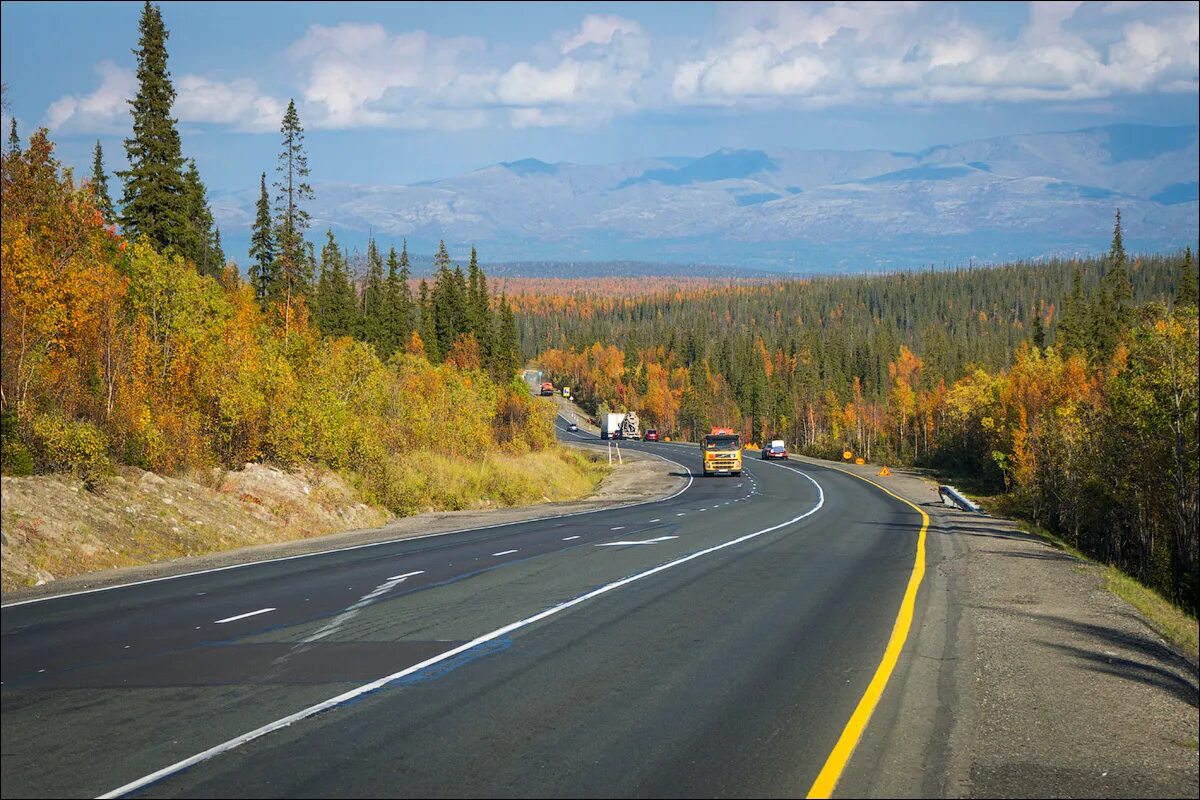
{"points": [[982, 201]]}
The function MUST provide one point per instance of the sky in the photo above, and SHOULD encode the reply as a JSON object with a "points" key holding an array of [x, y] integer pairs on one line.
{"points": [[400, 93]]}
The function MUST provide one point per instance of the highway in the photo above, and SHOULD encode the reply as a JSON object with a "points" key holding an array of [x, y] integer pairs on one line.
{"points": [[715, 643]]}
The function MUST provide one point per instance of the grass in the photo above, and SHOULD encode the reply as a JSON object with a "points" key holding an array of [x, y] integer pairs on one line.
{"points": [[427, 481]]}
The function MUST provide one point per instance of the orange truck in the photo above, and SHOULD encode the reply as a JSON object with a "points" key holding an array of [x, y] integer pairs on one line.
{"points": [[722, 452], [547, 389]]}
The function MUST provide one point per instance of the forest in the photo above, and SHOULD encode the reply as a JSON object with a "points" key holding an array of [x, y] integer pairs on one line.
{"points": [[128, 339], [1069, 385]]}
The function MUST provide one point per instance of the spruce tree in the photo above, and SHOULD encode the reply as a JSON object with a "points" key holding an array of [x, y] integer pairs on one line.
{"points": [[1116, 297], [14, 141], [197, 245], [262, 246], [1073, 332], [397, 301], [374, 327], [217, 250], [153, 204], [337, 308], [1186, 289], [100, 187], [428, 324], [479, 309], [1039, 332], [291, 219], [508, 341]]}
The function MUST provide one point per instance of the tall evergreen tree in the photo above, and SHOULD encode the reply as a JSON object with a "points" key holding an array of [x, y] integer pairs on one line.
{"points": [[291, 219], [374, 326], [337, 307], [198, 245], [1039, 331], [1113, 306], [428, 325], [14, 141], [508, 342], [262, 246], [1186, 294], [1073, 333], [217, 250], [153, 204], [100, 194], [397, 301], [479, 309]]}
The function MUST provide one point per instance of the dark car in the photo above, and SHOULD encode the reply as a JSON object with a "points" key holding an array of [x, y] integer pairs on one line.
{"points": [[776, 449], [651, 435], [572, 427]]}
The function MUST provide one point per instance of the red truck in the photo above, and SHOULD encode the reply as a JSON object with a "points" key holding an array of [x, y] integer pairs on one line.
{"points": [[547, 389]]}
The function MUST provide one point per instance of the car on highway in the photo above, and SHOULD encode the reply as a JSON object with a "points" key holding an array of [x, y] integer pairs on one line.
{"points": [[572, 427], [776, 449], [651, 435]]}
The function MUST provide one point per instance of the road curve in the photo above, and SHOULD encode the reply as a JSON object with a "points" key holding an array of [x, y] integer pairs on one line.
{"points": [[711, 644]]}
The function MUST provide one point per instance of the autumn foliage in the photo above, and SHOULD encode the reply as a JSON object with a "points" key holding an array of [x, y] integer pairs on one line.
{"points": [[113, 352]]}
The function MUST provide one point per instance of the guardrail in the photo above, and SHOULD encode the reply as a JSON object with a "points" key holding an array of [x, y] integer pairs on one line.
{"points": [[953, 497]]}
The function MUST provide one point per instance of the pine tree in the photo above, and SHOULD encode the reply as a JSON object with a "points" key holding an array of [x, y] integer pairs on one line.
{"points": [[100, 187], [428, 324], [291, 219], [508, 342], [198, 244], [262, 246], [374, 327], [397, 301], [1113, 307], [14, 141], [1186, 289], [1073, 333], [153, 204], [337, 307], [1039, 332]]}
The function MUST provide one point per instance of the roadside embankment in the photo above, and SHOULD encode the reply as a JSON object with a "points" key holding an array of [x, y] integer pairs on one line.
{"points": [[1024, 677], [140, 526]]}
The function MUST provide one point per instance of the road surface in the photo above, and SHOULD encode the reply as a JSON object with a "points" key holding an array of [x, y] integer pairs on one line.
{"points": [[716, 643]]}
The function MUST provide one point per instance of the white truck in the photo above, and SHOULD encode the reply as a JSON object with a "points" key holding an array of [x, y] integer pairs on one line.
{"points": [[629, 426], [610, 425]]}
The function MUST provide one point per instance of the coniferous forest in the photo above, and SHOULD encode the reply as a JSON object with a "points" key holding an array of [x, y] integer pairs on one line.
{"points": [[1069, 385]]}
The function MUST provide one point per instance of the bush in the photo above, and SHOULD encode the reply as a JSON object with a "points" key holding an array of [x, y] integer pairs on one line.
{"points": [[15, 458], [64, 446]]}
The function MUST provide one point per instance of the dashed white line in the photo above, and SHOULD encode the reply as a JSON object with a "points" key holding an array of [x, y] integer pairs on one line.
{"points": [[505, 552], [406, 575], [243, 616], [618, 528], [644, 541], [656, 520], [569, 538], [681, 513]]}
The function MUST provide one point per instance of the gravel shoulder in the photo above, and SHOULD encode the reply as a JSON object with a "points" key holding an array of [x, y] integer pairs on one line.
{"points": [[1024, 677], [640, 478]]}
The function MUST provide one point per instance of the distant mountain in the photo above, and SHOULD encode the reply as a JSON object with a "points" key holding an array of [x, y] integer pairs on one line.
{"points": [[988, 200]]}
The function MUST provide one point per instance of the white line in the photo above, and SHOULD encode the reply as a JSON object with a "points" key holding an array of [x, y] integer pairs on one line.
{"points": [[647, 541], [569, 538], [618, 528], [333, 702], [505, 552], [681, 513], [656, 520], [243, 616], [406, 575], [402, 539]]}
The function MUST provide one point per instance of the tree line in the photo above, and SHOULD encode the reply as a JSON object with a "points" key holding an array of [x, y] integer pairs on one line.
{"points": [[1069, 385]]}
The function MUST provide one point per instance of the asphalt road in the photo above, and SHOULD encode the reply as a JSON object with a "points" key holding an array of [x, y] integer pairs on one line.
{"points": [[711, 644]]}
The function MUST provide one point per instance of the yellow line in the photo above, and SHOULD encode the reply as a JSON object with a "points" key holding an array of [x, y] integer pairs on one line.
{"points": [[827, 780]]}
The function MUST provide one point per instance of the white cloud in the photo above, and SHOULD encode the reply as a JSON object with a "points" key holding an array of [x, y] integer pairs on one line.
{"points": [[819, 53], [598, 29], [237, 103]]}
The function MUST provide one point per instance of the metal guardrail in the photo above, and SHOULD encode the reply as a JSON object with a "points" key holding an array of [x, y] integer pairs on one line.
{"points": [[953, 497]]}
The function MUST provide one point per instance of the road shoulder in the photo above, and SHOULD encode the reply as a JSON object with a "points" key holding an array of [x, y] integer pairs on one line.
{"points": [[640, 478], [1024, 677]]}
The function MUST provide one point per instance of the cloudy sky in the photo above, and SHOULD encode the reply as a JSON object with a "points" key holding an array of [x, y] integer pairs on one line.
{"points": [[400, 93]]}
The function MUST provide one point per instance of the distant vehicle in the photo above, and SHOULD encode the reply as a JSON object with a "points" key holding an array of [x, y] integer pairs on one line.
{"points": [[776, 449], [722, 452], [629, 426], [610, 425], [652, 435], [547, 389], [572, 427]]}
